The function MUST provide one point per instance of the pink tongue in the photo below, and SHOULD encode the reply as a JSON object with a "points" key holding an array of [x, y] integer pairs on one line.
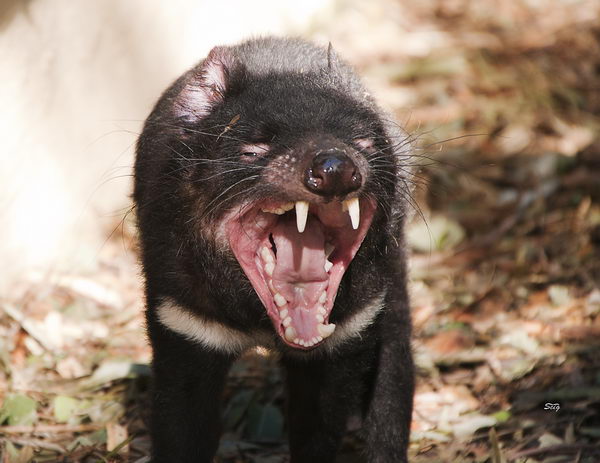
{"points": [[299, 274]]}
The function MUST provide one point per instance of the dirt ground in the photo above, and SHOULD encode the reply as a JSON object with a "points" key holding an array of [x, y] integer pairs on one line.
{"points": [[504, 108]]}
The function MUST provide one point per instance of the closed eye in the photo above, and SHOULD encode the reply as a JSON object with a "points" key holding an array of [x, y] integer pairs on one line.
{"points": [[254, 150]]}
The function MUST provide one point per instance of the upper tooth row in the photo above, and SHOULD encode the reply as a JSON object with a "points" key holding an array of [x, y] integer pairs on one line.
{"points": [[350, 205], [282, 209], [308, 343]]}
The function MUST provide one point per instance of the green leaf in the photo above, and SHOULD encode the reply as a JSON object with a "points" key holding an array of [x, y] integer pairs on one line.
{"points": [[80, 441], [471, 423], [65, 408], [11, 451], [589, 431], [502, 416], [105, 412], [19, 410], [265, 423], [16, 455], [439, 233], [236, 408], [110, 370]]}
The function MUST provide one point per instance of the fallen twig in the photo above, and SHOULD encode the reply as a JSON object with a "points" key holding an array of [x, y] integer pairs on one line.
{"points": [[49, 428], [37, 443]]}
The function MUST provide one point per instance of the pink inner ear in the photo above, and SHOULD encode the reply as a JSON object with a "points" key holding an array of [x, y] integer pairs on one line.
{"points": [[205, 85]]}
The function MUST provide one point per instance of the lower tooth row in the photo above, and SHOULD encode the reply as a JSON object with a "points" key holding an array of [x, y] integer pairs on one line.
{"points": [[269, 268], [266, 255], [290, 333], [324, 332], [309, 343], [279, 300]]}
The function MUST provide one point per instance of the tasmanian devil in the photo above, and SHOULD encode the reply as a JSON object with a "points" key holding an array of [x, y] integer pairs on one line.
{"points": [[270, 193]]}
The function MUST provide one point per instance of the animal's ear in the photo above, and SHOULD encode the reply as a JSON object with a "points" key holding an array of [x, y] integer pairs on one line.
{"points": [[205, 86]]}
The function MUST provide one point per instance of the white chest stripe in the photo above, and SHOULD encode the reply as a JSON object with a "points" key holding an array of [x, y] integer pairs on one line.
{"points": [[217, 336], [352, 327], [209, 333]]}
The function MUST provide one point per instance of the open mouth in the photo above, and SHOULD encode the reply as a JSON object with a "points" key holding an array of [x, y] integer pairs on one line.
{"points": [[295, 255]]}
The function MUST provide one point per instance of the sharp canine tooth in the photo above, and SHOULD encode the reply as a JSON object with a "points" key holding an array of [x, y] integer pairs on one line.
{"points": [[283, 313], [269, 267], [290, 333], [353, 207], [325, 330], [328, 265], [301, 215], [322, 299], [279, 300], [287, 321]]}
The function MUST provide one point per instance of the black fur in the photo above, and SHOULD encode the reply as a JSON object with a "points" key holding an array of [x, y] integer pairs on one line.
{"points": [[190, 172]]}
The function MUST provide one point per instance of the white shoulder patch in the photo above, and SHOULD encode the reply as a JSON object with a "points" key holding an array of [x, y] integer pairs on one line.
{"points": [[207, 332], [354, 326]]}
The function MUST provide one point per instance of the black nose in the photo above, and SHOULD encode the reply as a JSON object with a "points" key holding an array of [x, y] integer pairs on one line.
{"points": [[332, 173]]}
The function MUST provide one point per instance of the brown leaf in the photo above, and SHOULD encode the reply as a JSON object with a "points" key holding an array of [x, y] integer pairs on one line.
{"points": [[115, 435], [450, 342]]}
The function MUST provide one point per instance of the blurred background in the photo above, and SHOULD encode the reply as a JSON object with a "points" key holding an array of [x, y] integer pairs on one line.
{"points": [[502, 99]]}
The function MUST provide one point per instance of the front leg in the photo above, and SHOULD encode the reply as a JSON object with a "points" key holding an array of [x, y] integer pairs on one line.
{"points": [[322, 395], [389, 409], [188, 383]]}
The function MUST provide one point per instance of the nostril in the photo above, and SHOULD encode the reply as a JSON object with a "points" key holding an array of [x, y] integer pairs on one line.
{"points": [[313, 180], [332, 173]]}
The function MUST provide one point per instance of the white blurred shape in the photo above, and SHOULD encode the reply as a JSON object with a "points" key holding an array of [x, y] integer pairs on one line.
{"points": [[78, 79]]}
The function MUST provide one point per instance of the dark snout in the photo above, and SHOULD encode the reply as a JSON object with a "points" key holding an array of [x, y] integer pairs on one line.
{"points": [[332, 173]]}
